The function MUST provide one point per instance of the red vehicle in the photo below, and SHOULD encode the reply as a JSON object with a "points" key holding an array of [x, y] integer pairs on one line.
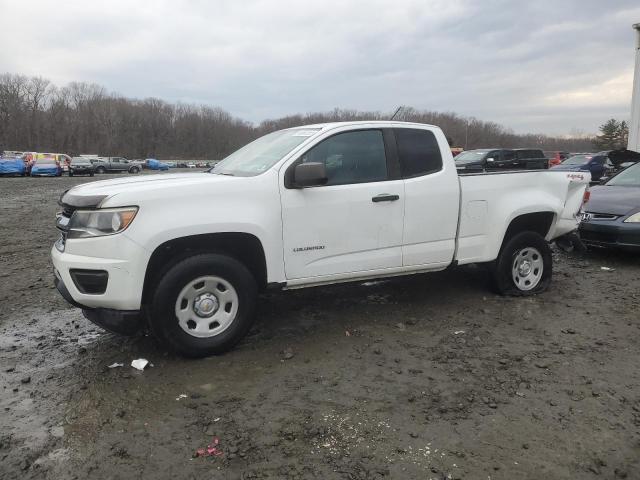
{"points": [[556, 158]]}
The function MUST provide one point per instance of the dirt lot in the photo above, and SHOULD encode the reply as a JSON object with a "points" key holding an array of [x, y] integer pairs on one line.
{"points": [[427, 377]]}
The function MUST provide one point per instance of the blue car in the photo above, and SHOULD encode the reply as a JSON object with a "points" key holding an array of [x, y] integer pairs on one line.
{"points": [[12, 166], [46, 167], [153, 164], [598, 165]]}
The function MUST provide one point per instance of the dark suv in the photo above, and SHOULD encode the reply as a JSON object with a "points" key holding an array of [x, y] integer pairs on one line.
{"points": [[502, 159]]}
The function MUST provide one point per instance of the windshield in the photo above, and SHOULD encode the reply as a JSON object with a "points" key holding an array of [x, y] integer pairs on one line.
{"points": [[577, 160], [261, 154], [472, 156], [46, 161], [630, 177]]}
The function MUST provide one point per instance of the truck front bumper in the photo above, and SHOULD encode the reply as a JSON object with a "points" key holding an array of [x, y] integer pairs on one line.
{"points": [[122, 322], [108, 288]]}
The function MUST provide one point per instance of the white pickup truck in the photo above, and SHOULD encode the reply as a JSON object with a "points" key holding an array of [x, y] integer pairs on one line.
{"points": [[187, 254]]}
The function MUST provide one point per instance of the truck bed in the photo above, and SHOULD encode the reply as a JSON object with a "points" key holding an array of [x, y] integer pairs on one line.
{"points": [[489, 201]]}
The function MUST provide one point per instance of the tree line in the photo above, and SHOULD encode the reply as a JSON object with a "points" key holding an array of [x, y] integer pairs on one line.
{"points": [[82, 118], [613, 135]]}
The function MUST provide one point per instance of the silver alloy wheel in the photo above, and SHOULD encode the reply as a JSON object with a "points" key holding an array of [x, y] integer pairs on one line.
{"points": [[206, 306], [527, 268]]}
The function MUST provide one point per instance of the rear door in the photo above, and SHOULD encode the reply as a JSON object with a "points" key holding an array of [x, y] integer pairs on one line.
{"points": [[431, 197], [115, 164], [494, 160], [353, 223]]}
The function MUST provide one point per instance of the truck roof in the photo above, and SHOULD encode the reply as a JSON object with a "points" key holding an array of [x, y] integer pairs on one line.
{"points": [[354, 123]]}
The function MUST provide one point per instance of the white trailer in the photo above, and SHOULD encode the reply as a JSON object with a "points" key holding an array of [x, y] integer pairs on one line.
{"points": [[634, 126]]}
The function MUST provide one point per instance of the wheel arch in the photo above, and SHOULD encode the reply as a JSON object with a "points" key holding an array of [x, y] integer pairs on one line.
{"points": [[539, 222], [244, 247]]}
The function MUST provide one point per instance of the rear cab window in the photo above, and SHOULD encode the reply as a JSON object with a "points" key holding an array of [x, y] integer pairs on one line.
{"points": [[418, 152]]}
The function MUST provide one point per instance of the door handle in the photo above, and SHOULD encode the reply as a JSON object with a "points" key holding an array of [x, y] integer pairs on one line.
{"points": [[385, 197]]}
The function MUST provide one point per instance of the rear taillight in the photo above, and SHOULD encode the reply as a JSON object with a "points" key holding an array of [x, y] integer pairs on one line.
{"points": [[587, 195]]}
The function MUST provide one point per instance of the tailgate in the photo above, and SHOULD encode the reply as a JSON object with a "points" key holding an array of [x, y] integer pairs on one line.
{"points": [[577, 185]]}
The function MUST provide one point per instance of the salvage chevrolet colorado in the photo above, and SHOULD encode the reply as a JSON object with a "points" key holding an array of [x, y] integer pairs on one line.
{"points": [[187, 254]]}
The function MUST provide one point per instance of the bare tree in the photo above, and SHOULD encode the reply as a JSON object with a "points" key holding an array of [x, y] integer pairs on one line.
{"points": [[86, 118]]}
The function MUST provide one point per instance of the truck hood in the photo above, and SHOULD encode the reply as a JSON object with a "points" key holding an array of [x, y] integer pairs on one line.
{"points": [[613, 200], [94, 194]]}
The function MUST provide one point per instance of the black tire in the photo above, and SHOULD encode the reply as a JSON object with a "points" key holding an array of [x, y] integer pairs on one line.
{"points": [[91, 174], [70, 173], [164, 322], [101, 170], [134, 170], [524, 243]]}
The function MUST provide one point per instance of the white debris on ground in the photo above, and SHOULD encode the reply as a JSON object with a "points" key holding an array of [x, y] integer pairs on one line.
{"points": [[140, 363], [181, 396], [344, 434], [116, 365]]}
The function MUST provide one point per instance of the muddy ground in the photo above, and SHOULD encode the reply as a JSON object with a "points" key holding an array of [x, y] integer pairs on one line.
{"points": [[426, 377]]}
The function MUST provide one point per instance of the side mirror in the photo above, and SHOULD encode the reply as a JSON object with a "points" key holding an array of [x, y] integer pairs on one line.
{"points": [[604, 180], [310, 174]]}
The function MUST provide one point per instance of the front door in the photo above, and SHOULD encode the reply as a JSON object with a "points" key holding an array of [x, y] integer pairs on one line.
{"points": [[352, 224]]}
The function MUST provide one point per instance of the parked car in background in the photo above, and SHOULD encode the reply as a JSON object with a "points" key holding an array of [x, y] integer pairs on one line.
{"points": [[556, 158], [115, 164], [191, 165], [154, 164], [12, 166], [491, 159], [611, 216], [81, 166], [622, 158], [63, 159], [171, 164], [46, 167], [599, 165]]}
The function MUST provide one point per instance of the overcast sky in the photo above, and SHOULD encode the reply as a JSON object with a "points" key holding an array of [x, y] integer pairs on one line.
{"points": [[535, 66]]}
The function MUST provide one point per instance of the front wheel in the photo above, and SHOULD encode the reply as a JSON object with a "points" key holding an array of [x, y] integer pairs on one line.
{"points": [[134, 170], [101, 170], [203, 305], [524, 265]]}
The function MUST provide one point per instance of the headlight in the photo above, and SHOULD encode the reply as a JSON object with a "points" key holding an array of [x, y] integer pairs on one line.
{"points": [[96, 223], [635, 218]]}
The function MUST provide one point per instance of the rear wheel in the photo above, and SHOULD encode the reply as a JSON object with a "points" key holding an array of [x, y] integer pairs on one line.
{"points": [[101, 170], [203, 305], [134, 170], [524, 265]]}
